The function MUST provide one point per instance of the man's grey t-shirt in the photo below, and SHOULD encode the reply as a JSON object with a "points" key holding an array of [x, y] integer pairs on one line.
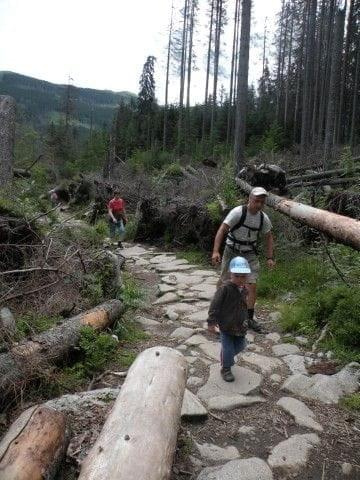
{"points": [[243, 233]]}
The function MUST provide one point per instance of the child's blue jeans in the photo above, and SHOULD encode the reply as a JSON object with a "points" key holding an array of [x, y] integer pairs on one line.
{"points": [[117, 229], [231, 345]]}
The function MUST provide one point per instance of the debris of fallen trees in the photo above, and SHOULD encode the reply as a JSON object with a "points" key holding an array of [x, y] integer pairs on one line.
{"points": [[27, 360], [344, 203], [326, 181], [156, 379], [342, 229], [35, 445], [266, 176], [179, 221], [338, 172]]}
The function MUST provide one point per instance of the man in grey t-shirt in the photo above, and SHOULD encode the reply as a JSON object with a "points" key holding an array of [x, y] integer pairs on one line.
{"points": [[242, 227]]}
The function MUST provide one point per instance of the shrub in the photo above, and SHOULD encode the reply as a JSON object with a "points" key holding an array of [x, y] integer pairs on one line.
{"points": [[173, 170], [131, 293], [98, 349], [336, 306], [101, 227], [215, 212]]}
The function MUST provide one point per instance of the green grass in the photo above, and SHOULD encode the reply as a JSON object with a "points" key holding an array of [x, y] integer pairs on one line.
{"points": [[295, 275], [351, 402], [196, 257], [132, 295], [338, 307]]}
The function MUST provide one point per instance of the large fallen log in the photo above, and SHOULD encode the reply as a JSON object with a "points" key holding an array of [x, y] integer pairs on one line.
{"points": [[34, 446], [342, 229], [27, 360], [312, 166], [138, 439], [321, 175], [326, 181]]}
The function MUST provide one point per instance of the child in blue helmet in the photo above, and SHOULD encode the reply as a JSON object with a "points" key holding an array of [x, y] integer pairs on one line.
{"points": [[228, 310]]}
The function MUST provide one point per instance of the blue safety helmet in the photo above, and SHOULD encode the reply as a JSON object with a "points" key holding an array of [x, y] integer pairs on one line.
{"points": [[239, 265]]}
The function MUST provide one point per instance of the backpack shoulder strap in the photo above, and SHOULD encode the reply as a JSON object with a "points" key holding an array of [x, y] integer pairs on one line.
{"points": [[241, 220], [261, 220]]}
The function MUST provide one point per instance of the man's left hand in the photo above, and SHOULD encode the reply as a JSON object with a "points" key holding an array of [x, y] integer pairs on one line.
{"points": [[270, 263]]}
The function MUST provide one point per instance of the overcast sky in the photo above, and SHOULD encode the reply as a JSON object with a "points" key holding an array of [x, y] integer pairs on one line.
{"points": [[104, 44]]}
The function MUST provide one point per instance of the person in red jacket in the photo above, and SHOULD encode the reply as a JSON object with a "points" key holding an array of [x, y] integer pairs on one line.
{"points": [[117, 217]]}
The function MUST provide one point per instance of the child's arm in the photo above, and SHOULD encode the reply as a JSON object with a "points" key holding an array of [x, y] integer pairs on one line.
{"points": [[214, 316]]}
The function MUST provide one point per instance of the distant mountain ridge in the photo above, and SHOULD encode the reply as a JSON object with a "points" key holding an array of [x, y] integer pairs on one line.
{"points": [[39, 102]]}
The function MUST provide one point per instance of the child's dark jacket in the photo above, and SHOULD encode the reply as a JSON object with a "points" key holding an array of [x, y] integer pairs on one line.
{"points": [[228, 309]]}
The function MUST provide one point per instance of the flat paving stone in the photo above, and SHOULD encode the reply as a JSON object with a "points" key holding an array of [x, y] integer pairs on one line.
{"points": [[246, 381], [266, 364], [194, 381], [200, 316], [164, 288], [173, 267], [244, 469], [273, 336], [325, 388], [133, 252], [167, 298], [285, 349], [181, 307], [224, 403], [159, 259], [192, 408], [211, 349], [292, 455], [302, 415], [255, 348], [196, 340], [147, 322], [215, 453], [204, 273], [169, 279], [182, 333], [302, 340], [250, 337], [190, 359], [296, 363]]}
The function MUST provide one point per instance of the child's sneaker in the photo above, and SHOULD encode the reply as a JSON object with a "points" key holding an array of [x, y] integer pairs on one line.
{"points": [[227, 375]]}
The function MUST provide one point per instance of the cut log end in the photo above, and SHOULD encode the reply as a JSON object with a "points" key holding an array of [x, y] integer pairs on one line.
{"points": [[34, 446]]}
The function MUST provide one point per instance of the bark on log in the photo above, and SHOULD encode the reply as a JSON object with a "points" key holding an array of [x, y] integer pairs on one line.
{"points": [[27, 360], [343, 229], [34, 446], [321, 175], [7, 138], [138, 439]]}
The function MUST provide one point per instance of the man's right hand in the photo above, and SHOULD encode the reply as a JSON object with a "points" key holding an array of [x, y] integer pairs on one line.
{"points": [[216, 258]]}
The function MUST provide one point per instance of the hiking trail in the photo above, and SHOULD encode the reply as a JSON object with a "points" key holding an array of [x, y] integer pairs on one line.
{"points": [[275, 421]]}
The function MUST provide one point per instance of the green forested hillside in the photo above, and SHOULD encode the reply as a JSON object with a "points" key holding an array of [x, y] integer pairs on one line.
{"points": [[40, 102]]}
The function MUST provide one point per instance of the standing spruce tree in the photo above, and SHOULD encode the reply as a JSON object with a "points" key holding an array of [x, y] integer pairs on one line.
{"points": [[242, 85], [146, 101]]}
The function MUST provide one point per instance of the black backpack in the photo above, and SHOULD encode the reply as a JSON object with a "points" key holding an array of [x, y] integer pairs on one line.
{"points": [[241, 223]]}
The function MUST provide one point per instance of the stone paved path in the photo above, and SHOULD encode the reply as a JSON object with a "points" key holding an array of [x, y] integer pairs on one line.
{"points": [[275, 421]]}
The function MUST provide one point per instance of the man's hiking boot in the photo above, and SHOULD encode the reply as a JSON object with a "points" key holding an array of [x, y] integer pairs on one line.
{"points": [[255, 326], [227, 375]]}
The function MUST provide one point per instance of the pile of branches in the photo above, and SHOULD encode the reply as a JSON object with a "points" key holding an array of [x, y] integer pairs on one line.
{"points": [[179, 222]]}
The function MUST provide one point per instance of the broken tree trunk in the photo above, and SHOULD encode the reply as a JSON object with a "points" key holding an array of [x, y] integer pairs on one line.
{"points": [[34, 446], [343, 229], [321, 175], [138, 439], [27, 360], [7, 138]]}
